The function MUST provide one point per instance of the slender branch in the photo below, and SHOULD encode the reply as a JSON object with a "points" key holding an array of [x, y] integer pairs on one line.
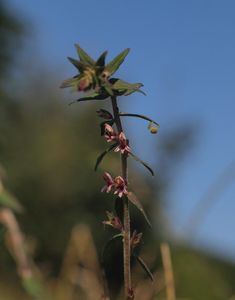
{"points": [[123, 114], [126, 213]]}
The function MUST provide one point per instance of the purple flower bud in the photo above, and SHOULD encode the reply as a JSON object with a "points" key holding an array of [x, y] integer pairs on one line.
{"points": [[109, 133], [109, 183], [102, 113]]}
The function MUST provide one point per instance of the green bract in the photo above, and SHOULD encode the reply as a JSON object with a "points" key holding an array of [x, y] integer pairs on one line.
{"points": [[95, 76]]}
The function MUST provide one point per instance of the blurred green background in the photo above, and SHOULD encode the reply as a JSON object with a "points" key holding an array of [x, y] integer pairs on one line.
{"points": [[47, 153]]}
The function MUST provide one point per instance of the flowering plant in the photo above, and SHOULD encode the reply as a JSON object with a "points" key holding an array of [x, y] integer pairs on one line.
{"points": [[95, 78]]}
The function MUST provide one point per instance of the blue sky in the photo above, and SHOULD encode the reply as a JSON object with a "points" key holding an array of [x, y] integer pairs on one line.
{"points": [[184, 53]]}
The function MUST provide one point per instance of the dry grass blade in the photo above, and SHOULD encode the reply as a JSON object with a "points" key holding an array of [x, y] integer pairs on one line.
{"points": [[168, 271], [16, 243], [81, 267]]}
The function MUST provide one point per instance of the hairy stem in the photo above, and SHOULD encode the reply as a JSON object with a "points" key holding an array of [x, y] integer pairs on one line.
{"points": [[126, 213]]}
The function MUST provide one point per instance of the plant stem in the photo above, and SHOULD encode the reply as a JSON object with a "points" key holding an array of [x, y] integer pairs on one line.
{"points": [[126, 213]]}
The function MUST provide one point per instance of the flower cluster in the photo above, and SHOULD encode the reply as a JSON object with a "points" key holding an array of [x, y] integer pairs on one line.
{"points": [[118, 185], [95, 75], [110, 135]]}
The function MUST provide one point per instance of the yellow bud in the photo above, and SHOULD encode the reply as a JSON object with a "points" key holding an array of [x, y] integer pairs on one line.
{"points": [[153, 130]]}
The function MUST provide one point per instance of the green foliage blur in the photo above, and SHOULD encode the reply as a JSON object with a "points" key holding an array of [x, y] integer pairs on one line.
{"points": [[48, 151]]}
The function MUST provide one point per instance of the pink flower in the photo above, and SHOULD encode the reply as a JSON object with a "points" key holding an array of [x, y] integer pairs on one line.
{"points": [[123, 144], [109, 183], [109, 133], [120, 186]]}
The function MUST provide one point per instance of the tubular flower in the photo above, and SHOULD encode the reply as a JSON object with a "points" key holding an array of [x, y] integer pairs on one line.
{"points": [[109, 133], [120, 186], [123, 144], [109, 182]]}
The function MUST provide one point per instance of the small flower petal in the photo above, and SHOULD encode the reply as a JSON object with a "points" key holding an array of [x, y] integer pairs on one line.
{"points": [[109, 133], [123, 144], [109, 183]]}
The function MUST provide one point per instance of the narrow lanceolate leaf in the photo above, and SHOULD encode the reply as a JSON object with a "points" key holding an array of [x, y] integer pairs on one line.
{"points": [[125, 88], [81, 66], [9, 201], [142, 162], [93, 96], [134, 200], [115, 237], [113, 66], [101, 60], [124, 114], [144, 266], [133, 90], [84, 56], [102, 155]]}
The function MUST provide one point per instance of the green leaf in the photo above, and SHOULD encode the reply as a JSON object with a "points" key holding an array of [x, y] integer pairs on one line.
{"points": [[81, 66], [84, 56], [93, 96], [123, 114], [9, 201], [123, 85], [101, 60], [108, 89], [102, 155], [143, 163], [131, 91], [71, 82], [144, 266], [109, 243], [113, 66], [125, 88], [134, 200]]}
